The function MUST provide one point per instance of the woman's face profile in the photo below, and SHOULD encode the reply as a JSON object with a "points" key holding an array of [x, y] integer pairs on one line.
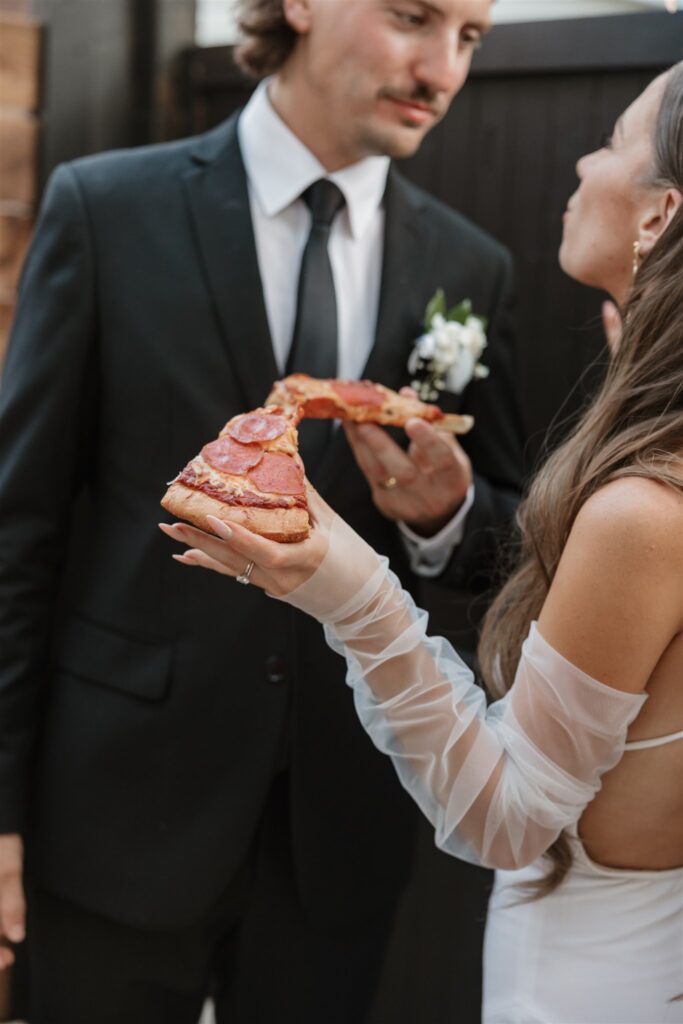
{"points": [[602, 219]]}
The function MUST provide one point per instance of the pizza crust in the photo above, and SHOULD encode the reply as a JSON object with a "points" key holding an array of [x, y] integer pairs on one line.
{"points": [[318, 399], [286, 525]]}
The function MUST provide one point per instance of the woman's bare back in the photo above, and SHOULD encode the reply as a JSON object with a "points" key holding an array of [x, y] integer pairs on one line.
{"points": [[636, 821]]}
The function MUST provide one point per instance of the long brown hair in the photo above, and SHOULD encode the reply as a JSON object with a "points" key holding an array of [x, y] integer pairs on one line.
{"points": [[268, 38], [634, 427]]}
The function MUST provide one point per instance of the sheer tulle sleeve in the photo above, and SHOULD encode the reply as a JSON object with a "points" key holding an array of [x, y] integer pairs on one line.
{"points": [[498, 784]]}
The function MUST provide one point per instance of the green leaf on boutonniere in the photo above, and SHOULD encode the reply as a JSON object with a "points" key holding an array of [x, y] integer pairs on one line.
{"points": [[436, 305], [460, 312]]}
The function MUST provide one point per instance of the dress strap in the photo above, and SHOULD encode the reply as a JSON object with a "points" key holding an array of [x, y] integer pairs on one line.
{"points": [[658, 741]]}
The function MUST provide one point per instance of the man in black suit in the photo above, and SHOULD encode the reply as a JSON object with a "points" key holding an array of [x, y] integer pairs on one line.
{"points": [[200, 809]]}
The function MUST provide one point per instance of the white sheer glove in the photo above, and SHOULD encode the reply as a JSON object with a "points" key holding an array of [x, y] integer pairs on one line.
{"points": [[349, 575], [499, 785]]}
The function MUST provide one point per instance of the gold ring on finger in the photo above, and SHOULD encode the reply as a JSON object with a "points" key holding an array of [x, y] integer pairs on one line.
{"points": [[389, 483]]}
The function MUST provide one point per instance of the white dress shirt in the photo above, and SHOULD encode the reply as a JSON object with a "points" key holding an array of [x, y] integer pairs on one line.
{"points": [[279, 169]]}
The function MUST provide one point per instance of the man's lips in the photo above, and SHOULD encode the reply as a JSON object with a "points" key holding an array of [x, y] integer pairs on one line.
{"points": [[416, 111]]}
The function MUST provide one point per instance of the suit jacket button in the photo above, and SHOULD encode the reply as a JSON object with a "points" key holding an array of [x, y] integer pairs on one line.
{"points": [[276, 670]]}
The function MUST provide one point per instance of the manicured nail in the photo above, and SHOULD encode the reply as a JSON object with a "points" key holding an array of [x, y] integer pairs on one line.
{"points": [[15, 933], [221, 528]]}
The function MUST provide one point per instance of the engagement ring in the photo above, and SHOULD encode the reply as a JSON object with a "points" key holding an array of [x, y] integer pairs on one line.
{"points": [[244, 576], [389, 483]]}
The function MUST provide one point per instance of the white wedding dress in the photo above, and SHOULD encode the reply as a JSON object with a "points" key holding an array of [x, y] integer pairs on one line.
{"points": [[499, 784], [605, 948]]}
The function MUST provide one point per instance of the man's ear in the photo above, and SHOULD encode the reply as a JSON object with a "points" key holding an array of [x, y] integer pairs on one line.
{"points": [[298, 14], [658, 217]]}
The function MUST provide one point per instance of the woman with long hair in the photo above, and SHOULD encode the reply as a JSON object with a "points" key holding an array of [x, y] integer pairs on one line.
{"points": [[570, 783]]}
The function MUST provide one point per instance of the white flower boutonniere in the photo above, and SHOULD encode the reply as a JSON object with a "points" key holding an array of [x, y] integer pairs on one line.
{"points": [[446, 357]]}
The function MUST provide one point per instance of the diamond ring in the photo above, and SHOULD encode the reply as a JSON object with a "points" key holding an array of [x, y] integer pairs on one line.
{"points": [[244, 576]]}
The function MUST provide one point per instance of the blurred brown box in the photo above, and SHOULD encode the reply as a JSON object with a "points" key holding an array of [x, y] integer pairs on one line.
{"points": [[21, 44]]}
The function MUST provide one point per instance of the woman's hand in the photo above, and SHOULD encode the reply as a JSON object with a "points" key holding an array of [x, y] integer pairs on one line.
{"points": [[317, 575], [278, 568]]}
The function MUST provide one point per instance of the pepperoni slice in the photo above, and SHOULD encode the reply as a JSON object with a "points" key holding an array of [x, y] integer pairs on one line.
{"points": [[257, 426], [230, 456], [358, 392], [278, 474], [321, 409]]}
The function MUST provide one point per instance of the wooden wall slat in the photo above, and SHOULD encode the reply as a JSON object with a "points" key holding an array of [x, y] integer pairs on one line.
{"points": [[18, 156], [6, 314], [15, 235], [20, 62]]}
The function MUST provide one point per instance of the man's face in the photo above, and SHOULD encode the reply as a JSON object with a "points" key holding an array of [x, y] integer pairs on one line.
{"points": [[383, 72]]}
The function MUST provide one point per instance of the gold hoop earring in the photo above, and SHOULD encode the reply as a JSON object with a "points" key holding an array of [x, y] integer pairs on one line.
{"points": [[637, 258]]}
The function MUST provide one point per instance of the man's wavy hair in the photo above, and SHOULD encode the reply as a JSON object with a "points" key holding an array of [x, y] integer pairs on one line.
{"points": [[267, 37], [634, 427]]}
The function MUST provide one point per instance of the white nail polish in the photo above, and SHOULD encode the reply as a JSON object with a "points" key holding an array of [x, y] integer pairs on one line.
{"points": [[221, 528]]}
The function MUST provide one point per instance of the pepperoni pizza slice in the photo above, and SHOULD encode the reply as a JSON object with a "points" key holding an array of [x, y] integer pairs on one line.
{"points": [[360, 401], [251, 474]]}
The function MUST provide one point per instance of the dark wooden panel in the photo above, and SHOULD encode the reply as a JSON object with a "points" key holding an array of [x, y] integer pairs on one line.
{"points": [[162, 30], [612, 43], [20, 62]]}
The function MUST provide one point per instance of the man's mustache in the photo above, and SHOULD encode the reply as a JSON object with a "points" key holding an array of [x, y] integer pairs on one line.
{"points": [[420, 94]]}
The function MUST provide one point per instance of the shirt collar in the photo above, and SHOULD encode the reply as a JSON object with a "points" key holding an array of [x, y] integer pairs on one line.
{"points": [[276, 184]]}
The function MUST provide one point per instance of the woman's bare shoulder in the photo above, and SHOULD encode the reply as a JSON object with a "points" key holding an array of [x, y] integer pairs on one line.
{"points": [[639, 512], [616, 600]]}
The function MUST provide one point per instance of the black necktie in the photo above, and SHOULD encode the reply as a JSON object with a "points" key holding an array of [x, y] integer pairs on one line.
{"points": [[314, 343]]}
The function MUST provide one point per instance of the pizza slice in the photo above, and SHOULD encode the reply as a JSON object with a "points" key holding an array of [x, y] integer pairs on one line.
{"points": [[251, 474], [361, 401]]}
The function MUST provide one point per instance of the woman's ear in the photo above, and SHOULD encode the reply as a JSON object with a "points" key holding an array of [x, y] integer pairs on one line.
{"points": [[298, 15], [659, 215]]}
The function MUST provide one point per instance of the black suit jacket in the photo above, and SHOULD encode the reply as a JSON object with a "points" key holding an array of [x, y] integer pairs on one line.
{"points": [[144, 707]]}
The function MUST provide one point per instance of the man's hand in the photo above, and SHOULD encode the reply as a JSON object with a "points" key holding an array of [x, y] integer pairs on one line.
{"points": [[12, 905], [423, 487]]}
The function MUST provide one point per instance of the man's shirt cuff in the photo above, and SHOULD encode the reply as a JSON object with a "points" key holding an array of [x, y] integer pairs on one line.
{"points": [[429, 556]]}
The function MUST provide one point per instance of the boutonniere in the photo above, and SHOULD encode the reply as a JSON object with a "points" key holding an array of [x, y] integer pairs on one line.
{"points": [[446, 357]]}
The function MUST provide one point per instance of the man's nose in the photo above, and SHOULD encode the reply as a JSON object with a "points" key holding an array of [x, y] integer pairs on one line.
{"points": [[442, 65]]}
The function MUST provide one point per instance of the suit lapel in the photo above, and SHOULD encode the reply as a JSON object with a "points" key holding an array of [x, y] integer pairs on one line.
{"points": [[405, 264], [216, 189]]}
